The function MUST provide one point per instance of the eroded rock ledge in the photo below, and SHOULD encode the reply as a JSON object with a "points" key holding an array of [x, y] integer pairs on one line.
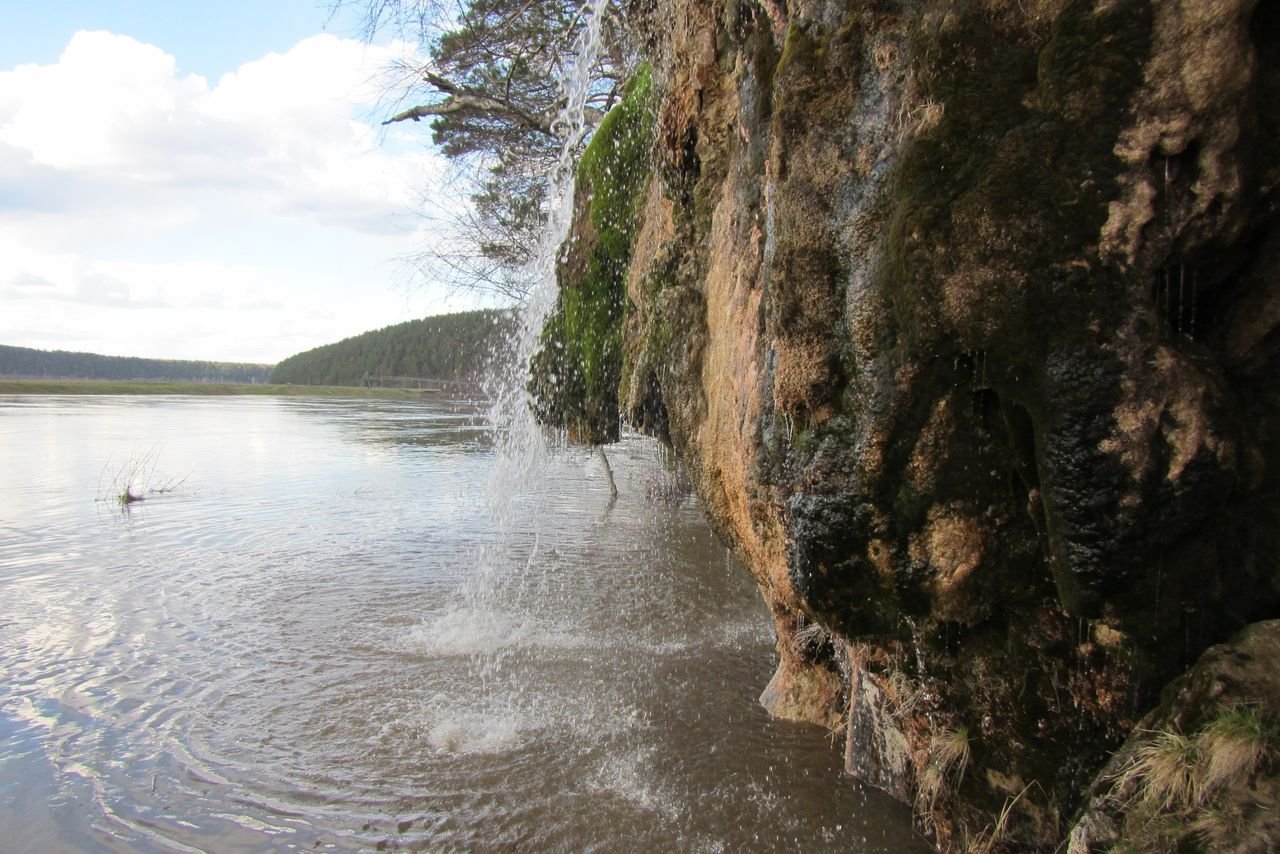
{"points": [[964, 316]]}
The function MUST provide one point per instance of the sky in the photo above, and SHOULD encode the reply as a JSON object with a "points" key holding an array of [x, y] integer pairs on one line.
{"points": [[204, 180]]}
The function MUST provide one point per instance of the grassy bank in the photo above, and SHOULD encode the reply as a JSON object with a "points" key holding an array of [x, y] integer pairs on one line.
{"points": [[141, 387]]}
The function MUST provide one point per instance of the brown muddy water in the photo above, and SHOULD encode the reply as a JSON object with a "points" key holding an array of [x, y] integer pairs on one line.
{"points": [[320, 638]]}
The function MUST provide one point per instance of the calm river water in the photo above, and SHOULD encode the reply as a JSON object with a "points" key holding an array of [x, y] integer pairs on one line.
{"points": [[320, 638]]}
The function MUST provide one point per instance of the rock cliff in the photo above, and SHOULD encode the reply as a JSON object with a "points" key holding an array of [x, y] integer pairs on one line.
{"points": [[965, 317]]}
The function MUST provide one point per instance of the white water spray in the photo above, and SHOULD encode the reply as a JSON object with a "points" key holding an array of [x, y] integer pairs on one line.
{"points": [[520, 443]]}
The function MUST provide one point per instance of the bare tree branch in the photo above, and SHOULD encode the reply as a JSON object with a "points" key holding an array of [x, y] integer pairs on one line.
{"points": [[490, 91], [475, 102]]}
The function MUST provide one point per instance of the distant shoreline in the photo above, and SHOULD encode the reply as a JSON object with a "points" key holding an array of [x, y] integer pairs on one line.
{"points": [[41, 386]]}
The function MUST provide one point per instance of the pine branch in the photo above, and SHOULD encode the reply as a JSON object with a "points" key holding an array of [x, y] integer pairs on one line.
{"points": [[462, 99]]}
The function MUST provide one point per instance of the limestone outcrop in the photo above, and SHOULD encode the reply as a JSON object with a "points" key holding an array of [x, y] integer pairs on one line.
{"points": [[965, 317]]}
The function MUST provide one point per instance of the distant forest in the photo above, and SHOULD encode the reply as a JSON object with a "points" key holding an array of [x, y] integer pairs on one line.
{"points": [[448, 347], [27, 363]]}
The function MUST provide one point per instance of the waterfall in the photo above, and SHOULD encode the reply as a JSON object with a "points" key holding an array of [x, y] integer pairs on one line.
{"points": [[518, 438]]}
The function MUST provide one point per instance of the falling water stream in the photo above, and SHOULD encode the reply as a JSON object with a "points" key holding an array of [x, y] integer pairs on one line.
{"points": [[521, 444]]}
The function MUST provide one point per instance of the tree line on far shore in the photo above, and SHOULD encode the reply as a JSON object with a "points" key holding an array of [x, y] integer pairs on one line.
{"points": [[448, 347], [29, 363]]}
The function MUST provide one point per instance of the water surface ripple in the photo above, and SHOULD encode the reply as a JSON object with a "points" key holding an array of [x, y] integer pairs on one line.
{"points": [[318, 640]]}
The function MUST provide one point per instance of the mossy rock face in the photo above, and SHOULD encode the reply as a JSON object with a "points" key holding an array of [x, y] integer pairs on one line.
{"points": [[577, 371], [966, 322]]}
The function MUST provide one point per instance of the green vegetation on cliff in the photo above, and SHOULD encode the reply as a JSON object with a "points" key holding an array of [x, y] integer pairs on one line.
{"points": [[60, 364], [449, 347], [577, 371]]}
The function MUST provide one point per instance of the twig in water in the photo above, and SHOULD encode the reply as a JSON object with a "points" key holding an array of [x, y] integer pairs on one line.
{"points": [[608, 471]]}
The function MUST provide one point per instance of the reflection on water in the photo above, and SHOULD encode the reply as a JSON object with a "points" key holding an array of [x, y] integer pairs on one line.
{"points": [[320, 641]]}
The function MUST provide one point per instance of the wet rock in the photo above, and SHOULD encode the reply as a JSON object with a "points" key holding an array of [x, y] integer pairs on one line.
{"points": [[965, 319], [877, 752]]}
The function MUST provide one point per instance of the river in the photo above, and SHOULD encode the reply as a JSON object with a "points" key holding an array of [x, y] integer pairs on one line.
{"points": [[312, 634]]}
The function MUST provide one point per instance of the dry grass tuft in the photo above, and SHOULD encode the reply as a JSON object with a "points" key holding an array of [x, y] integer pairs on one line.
{"points": [[949, 750], [929, 789], [136, 481], [905, 693], [948, 758], [992, 837], [1218, 828], [1179, 789], [809, 636], [1232, 745], [1162, 772]]}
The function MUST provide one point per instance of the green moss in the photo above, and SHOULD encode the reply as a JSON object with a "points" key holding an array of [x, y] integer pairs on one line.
{"points": [[800, 56], [808, 70], [576, 374]]}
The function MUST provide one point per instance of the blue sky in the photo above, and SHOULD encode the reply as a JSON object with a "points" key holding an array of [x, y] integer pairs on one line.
{"points": [[207, 38], [204, 181]]}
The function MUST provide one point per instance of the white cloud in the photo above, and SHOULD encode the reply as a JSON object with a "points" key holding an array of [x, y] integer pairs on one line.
{"points": [[180, 211], [113, 110], [73, 115]]}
